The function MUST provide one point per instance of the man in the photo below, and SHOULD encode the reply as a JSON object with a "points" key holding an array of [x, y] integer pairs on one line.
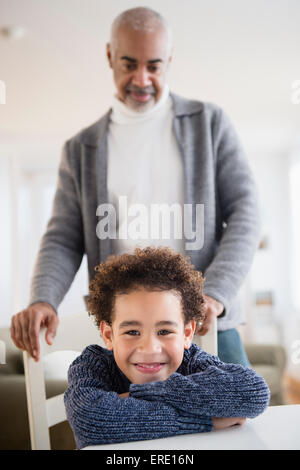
{"points": [[152, 146]]}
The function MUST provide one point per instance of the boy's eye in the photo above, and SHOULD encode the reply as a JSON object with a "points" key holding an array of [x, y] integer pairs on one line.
{"points": [[135, 332], [165, 332]]}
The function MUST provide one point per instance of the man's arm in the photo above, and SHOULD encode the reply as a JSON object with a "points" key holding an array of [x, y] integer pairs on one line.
{"points": [[237, 198], [58, 260], [216, 389], [62, 246], [100, 416]]}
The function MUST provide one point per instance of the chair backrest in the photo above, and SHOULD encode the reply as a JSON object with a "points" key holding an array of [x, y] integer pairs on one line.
{"points": [[74, 333], [209, 342]]}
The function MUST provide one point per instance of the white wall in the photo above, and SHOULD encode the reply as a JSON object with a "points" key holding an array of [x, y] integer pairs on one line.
{"points": [[7, 270], [28, 179]]}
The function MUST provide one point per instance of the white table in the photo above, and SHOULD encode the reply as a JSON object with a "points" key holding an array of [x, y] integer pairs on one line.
{"points": [[278, 428]]}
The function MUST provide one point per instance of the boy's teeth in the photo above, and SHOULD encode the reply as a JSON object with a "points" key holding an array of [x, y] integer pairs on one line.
{"points": [[149, 365]]}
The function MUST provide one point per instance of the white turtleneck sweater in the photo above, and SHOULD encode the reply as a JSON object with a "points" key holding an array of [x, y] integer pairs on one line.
{"points": [[144, 167]]}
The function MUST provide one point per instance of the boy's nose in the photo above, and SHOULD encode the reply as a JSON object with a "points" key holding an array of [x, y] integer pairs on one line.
{"points": [[150, 344]]}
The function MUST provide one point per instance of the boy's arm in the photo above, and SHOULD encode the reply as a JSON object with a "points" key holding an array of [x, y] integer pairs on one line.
{"points": [[215, 389], [218, 423], [100, 416]]}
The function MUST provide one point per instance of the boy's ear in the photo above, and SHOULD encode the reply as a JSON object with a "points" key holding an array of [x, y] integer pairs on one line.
{"points": [[189, 330], [106, 333]]}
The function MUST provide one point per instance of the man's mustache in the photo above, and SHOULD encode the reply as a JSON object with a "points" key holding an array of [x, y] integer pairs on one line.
{"points": [[141, 91]]}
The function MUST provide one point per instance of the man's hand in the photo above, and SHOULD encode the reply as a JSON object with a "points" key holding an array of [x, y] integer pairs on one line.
{"points": [[213, 309], [222, 423], [26, 325]]}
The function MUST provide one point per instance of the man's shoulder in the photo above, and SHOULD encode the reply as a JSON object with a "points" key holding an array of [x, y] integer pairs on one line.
{"points": [[92, 134], [188, 106]]}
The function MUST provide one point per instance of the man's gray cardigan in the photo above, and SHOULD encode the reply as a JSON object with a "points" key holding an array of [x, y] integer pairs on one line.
{"points": [[216, 174]]}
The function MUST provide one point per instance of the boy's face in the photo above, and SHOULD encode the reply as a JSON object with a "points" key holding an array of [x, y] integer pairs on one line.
{"points": [[148, 335]]}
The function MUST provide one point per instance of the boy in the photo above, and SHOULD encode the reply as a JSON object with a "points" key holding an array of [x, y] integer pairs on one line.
{"points": [[152, 381]]}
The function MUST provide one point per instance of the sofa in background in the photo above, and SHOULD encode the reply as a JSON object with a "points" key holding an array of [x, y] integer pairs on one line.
{"points": [[14, 425], [268, 360]]}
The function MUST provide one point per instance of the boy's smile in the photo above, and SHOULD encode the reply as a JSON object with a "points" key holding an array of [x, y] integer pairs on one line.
{"points": [[148, 335]]}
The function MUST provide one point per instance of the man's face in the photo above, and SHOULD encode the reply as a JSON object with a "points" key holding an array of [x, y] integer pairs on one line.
{"points": [[139, 67], [148, 335]]}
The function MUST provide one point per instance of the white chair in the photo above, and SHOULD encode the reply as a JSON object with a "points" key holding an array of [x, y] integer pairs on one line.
{"points": [[74, 333], [209, 342]]}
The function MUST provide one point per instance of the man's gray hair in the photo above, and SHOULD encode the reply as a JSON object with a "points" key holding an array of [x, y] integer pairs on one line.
{"points": [[140, 19]]}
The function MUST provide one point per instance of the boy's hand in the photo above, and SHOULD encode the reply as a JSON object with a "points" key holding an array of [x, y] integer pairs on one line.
{"points": [[222, 423], [213, 309], [124, 395]]}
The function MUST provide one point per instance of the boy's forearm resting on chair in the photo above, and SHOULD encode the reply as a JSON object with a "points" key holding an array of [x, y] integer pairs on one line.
{"points": [[182, 404]]}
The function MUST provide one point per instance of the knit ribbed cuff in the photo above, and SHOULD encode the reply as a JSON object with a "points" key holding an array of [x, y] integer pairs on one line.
{"points": [[195, 423], [38, 301], [220, 298], [149, 391]]}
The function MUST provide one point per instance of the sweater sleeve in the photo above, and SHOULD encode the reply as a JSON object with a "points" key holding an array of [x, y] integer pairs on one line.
{"points": [[62, 245], [238, 199], [99, 416], [213, 389]]}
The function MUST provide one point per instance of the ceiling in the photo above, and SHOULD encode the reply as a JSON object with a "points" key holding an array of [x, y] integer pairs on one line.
{"points": [[242, 55]]}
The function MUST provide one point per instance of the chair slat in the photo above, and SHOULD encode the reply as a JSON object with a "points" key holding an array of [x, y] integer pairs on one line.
{"points": [[209, 342], [36, 403], [55, 409]]}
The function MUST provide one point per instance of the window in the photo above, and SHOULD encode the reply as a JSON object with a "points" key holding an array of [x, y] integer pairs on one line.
{"points": [[294, 180]]}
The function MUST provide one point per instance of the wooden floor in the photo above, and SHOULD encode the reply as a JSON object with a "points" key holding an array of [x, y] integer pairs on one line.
{"points": [[291, 388]]}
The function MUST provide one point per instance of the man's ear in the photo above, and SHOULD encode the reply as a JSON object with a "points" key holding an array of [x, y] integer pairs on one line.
{"points": [[108, 54], [189, 330], [170, 58], [107, 334]]}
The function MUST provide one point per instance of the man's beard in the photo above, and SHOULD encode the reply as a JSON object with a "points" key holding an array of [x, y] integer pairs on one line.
{"points": [[137, 106]]}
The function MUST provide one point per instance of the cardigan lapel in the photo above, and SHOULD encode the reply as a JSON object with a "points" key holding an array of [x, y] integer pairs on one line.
{"points": [[183, 128], [105, 245]]}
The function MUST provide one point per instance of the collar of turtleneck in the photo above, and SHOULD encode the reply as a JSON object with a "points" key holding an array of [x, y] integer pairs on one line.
{"points": [[122, 114]]}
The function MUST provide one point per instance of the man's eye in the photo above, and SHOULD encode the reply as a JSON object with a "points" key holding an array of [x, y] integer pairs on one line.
{"points": [[130, 66], [132, 332]]}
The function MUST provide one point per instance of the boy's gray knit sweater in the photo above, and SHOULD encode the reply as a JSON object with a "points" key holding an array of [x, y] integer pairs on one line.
{"points": [[202, 387]]}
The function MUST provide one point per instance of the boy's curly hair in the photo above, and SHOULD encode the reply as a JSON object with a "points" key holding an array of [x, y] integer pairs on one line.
{"points": [[153, 269]]}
